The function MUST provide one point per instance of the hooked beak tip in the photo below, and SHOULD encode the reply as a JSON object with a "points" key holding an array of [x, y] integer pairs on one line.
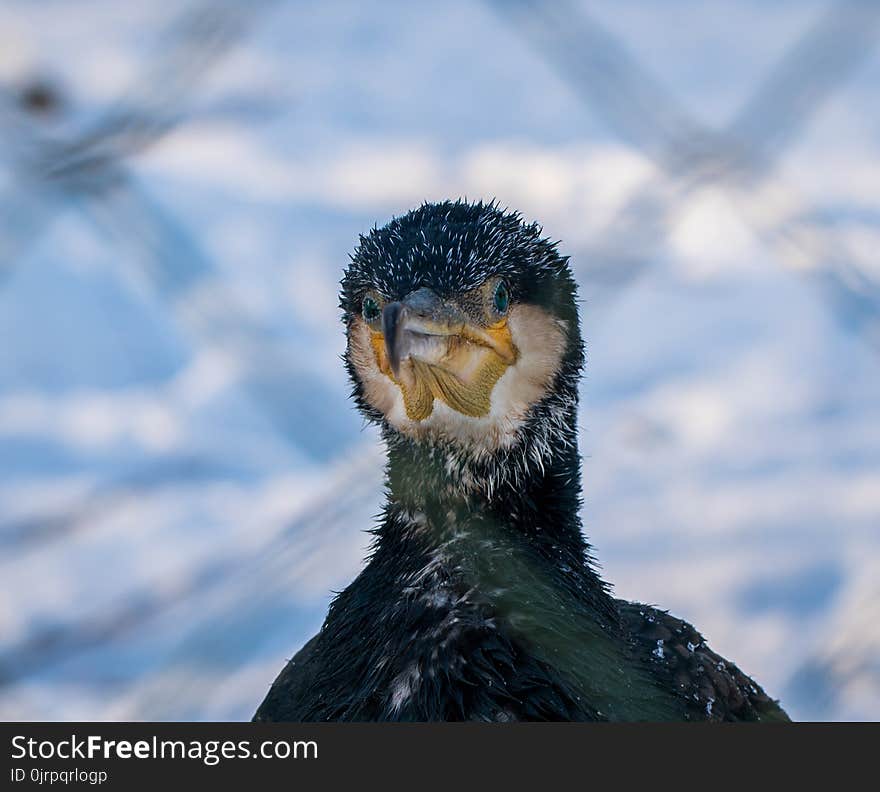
{"points": [[392, 329]]}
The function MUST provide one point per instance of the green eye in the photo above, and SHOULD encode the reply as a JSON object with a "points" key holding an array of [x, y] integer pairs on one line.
{"points": [[501, 298], [370, 309]]}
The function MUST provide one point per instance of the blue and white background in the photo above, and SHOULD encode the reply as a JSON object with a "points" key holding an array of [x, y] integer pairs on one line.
{"points": [[183, 482]]}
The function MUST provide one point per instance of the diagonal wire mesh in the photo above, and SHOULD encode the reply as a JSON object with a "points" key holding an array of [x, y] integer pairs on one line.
{"points": [[739, 158], [91, 171]]}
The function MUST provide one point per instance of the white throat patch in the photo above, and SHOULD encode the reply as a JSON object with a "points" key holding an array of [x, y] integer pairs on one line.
{"points": [[540, 339]]}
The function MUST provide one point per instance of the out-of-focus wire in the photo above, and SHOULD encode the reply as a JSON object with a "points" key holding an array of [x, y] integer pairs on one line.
{"points": [[738, 158], [227, 586], [91, 171]]}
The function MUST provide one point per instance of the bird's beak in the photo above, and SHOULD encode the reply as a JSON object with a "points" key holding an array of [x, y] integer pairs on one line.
{"points": [[394, 317], [433, 349], [412, 325]]}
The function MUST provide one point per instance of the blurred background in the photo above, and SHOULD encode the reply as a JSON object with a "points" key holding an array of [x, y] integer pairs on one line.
{"points": [[183, 481]]}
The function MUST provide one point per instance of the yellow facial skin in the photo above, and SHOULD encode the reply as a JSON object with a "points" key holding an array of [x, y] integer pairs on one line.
{"points": [[529, 340], [459, 368]]}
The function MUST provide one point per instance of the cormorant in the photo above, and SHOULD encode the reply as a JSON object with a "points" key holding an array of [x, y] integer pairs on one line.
{"points": [[480, 600]]}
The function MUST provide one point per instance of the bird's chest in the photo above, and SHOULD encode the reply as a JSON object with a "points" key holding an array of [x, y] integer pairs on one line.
{"points": [[445, 668], [447, 653]]}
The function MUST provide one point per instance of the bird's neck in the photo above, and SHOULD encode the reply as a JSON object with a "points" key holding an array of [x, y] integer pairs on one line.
{"points": [[528, 494], [511, 536]]}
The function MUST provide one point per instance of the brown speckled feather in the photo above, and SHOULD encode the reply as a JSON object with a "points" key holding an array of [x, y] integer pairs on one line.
{"points": [[714, 688]]}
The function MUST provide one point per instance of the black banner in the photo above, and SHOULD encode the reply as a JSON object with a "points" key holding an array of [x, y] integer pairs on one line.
{"points": [[135, 756]]}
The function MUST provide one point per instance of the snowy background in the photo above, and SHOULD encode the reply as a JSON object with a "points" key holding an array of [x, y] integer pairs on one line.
{"points": [[183, 482]]}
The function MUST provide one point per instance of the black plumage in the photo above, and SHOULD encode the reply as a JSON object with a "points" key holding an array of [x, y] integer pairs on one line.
{"points": [[480, 600]]}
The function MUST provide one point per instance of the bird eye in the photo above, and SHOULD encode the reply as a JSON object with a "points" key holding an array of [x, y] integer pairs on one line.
{"points": [[501, 298], [370, 309]]}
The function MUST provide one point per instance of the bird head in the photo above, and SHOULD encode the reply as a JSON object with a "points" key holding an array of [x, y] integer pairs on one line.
{"points": [[462, 325]]}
